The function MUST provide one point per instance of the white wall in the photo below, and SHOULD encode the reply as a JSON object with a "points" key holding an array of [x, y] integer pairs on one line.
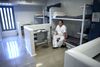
{"points": [[51, 2], [25, 13], [71, 7]]}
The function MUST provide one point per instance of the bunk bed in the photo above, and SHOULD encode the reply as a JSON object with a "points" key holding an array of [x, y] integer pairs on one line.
{"points": [[72, 41]]}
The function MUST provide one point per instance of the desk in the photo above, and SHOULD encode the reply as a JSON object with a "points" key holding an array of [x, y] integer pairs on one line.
{"points": [[36, 35]]}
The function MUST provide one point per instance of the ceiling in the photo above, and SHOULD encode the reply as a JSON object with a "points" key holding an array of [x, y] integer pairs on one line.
{"points": [[23, 0], [35, 2]]}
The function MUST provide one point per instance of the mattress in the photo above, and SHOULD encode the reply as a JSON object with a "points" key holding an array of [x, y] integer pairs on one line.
{"points": [[75, 41], [74, 17]]}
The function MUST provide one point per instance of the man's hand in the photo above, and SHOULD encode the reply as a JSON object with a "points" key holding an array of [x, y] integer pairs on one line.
{"points": [[55, 33], [65, 40]]}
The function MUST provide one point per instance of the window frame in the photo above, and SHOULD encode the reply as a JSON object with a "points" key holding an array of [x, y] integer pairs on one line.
{"points": [[14, 23]]}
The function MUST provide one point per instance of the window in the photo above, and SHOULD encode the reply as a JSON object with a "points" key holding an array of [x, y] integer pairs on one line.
{"points": [[7, 18]]}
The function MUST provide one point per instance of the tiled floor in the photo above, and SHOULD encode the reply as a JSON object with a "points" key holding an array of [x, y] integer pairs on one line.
{"points": [[13, 53]]}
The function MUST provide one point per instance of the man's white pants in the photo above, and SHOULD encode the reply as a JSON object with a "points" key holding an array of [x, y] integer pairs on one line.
{"points": [[57, 43]]}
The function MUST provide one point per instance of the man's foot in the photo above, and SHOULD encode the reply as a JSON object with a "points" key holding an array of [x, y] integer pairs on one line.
{"points": [[54, 47], [63, 46]]}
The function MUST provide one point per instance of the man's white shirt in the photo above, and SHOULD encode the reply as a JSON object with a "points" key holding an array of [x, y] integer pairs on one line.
{"points": [[61, 30]]}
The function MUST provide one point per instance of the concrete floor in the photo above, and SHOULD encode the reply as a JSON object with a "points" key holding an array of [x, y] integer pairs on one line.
{"points": [[48, 57], [14, 54]]}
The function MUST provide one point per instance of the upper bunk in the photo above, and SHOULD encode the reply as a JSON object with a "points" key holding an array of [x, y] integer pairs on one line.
{"points": [[74, 18], [41, 16]]}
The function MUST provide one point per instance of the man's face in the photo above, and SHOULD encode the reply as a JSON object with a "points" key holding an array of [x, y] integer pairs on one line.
{"points": [[60, 23]]}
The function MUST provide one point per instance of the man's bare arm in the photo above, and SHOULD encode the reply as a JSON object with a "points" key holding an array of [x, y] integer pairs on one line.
{"points": [[65, 36]]}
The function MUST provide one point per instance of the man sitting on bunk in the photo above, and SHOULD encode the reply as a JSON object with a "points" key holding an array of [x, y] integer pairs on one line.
{"points": [[60, 35]]}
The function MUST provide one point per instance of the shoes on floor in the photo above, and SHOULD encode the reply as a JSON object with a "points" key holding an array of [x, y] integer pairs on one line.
{"points": [[63, 46], [54, 47]]}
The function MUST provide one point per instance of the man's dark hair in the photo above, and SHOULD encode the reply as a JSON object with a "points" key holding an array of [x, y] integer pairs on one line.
{"points": [[62, 21]]}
